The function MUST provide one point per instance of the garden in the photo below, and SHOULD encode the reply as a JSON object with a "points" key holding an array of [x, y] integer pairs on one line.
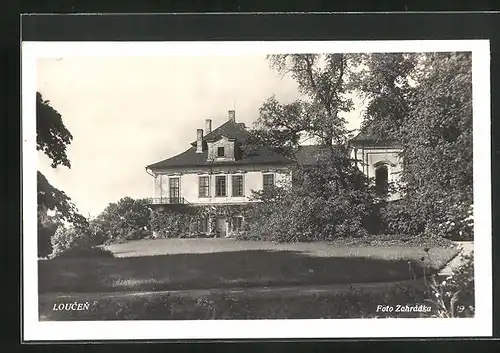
{"points": [[329, 228]]}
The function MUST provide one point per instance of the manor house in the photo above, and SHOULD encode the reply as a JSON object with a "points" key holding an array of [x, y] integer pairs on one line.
{"points": [[217, 170]]}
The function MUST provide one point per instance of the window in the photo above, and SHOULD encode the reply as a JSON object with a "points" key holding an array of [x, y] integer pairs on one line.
{"points": [[220, 186], [203, 225], [268, 181], [204, 186], [237, 223], [174, 190], [220, 152], [237, 182]]}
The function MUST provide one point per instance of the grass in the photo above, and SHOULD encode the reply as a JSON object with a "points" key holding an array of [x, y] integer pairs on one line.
{"points": [[179, 264]]}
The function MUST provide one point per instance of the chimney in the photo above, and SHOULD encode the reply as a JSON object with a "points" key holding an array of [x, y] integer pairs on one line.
{"points": [[199, 141], [208, 126], [231, 114]]}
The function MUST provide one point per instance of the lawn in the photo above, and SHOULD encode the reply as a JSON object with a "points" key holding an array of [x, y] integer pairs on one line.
{"points": [[174, 264]]}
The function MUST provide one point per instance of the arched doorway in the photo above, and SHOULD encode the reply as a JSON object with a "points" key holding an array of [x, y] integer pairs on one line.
{"points": [[382, 179]]}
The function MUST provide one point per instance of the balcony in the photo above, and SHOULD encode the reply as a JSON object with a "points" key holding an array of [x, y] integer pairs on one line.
{"points": [[166, 201]]}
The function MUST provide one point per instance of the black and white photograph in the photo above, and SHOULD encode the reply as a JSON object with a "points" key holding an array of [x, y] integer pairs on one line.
{"points": [[255, 189]]}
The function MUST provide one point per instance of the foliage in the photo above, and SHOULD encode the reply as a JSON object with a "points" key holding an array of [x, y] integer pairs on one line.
{"points": [[45, 233], [55, 200], [332, 197], [280, 126], [322, 79], [453, 296], [425, 102], [328, 200], [85, 252], [52, 137], [47, 227], [385, 83], [70, 238], [97, 232], [397, 218], [393, 240], [128, 219], [172, 224], [185, 223]]}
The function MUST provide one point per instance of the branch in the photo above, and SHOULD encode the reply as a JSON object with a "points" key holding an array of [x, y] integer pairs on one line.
{"points": [[314, 86]]}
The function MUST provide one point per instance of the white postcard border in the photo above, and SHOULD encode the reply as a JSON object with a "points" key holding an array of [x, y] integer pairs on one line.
{"points": [[480, 325]]}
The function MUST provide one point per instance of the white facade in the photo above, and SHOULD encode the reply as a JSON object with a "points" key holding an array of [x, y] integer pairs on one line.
{"points": [[371, 160], [189, 183]]}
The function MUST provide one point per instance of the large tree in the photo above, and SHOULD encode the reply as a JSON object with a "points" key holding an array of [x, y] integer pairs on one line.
{"points": [[330, 198], [438, 142], [323, 81], [425, 102], [53, 139], [384, 81]]}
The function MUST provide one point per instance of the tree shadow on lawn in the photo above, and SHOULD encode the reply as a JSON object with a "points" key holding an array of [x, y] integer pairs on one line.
{"points": [[251, 268]]}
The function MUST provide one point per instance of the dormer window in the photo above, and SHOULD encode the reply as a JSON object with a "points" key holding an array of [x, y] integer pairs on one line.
{"points": [[221, 149]]}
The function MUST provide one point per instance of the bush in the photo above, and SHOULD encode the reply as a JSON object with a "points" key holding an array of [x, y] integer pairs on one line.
{"points": [[186, 224], [396, 217], [45, 233], [125, 220], [70, 238], [85, 252], [327, 200], [439, 219], [453, 296], [457, 223], [298, 218], [172, 224]]}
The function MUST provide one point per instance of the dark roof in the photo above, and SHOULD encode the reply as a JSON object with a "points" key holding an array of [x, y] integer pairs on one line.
{"points": [[230, 129], [368, 135], [189, 158], [305, 155], [308, 155]]}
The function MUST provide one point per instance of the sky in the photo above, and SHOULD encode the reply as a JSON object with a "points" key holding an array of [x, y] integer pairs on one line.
{"points": [[128, 112]]}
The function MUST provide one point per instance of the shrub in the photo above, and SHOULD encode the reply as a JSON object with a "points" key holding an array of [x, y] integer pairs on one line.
{"points": [[125, 220], [396, 217], [46, 228], [70, 238], [85, 252], [296, 218], [442, 218], [97, 232], [327, 200], [171, 224], [453, 296], [186, 224], [457, 223], [45, 233]]}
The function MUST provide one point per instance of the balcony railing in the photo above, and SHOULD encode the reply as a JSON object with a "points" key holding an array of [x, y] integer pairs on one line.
{"points": [[166, 201]]}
